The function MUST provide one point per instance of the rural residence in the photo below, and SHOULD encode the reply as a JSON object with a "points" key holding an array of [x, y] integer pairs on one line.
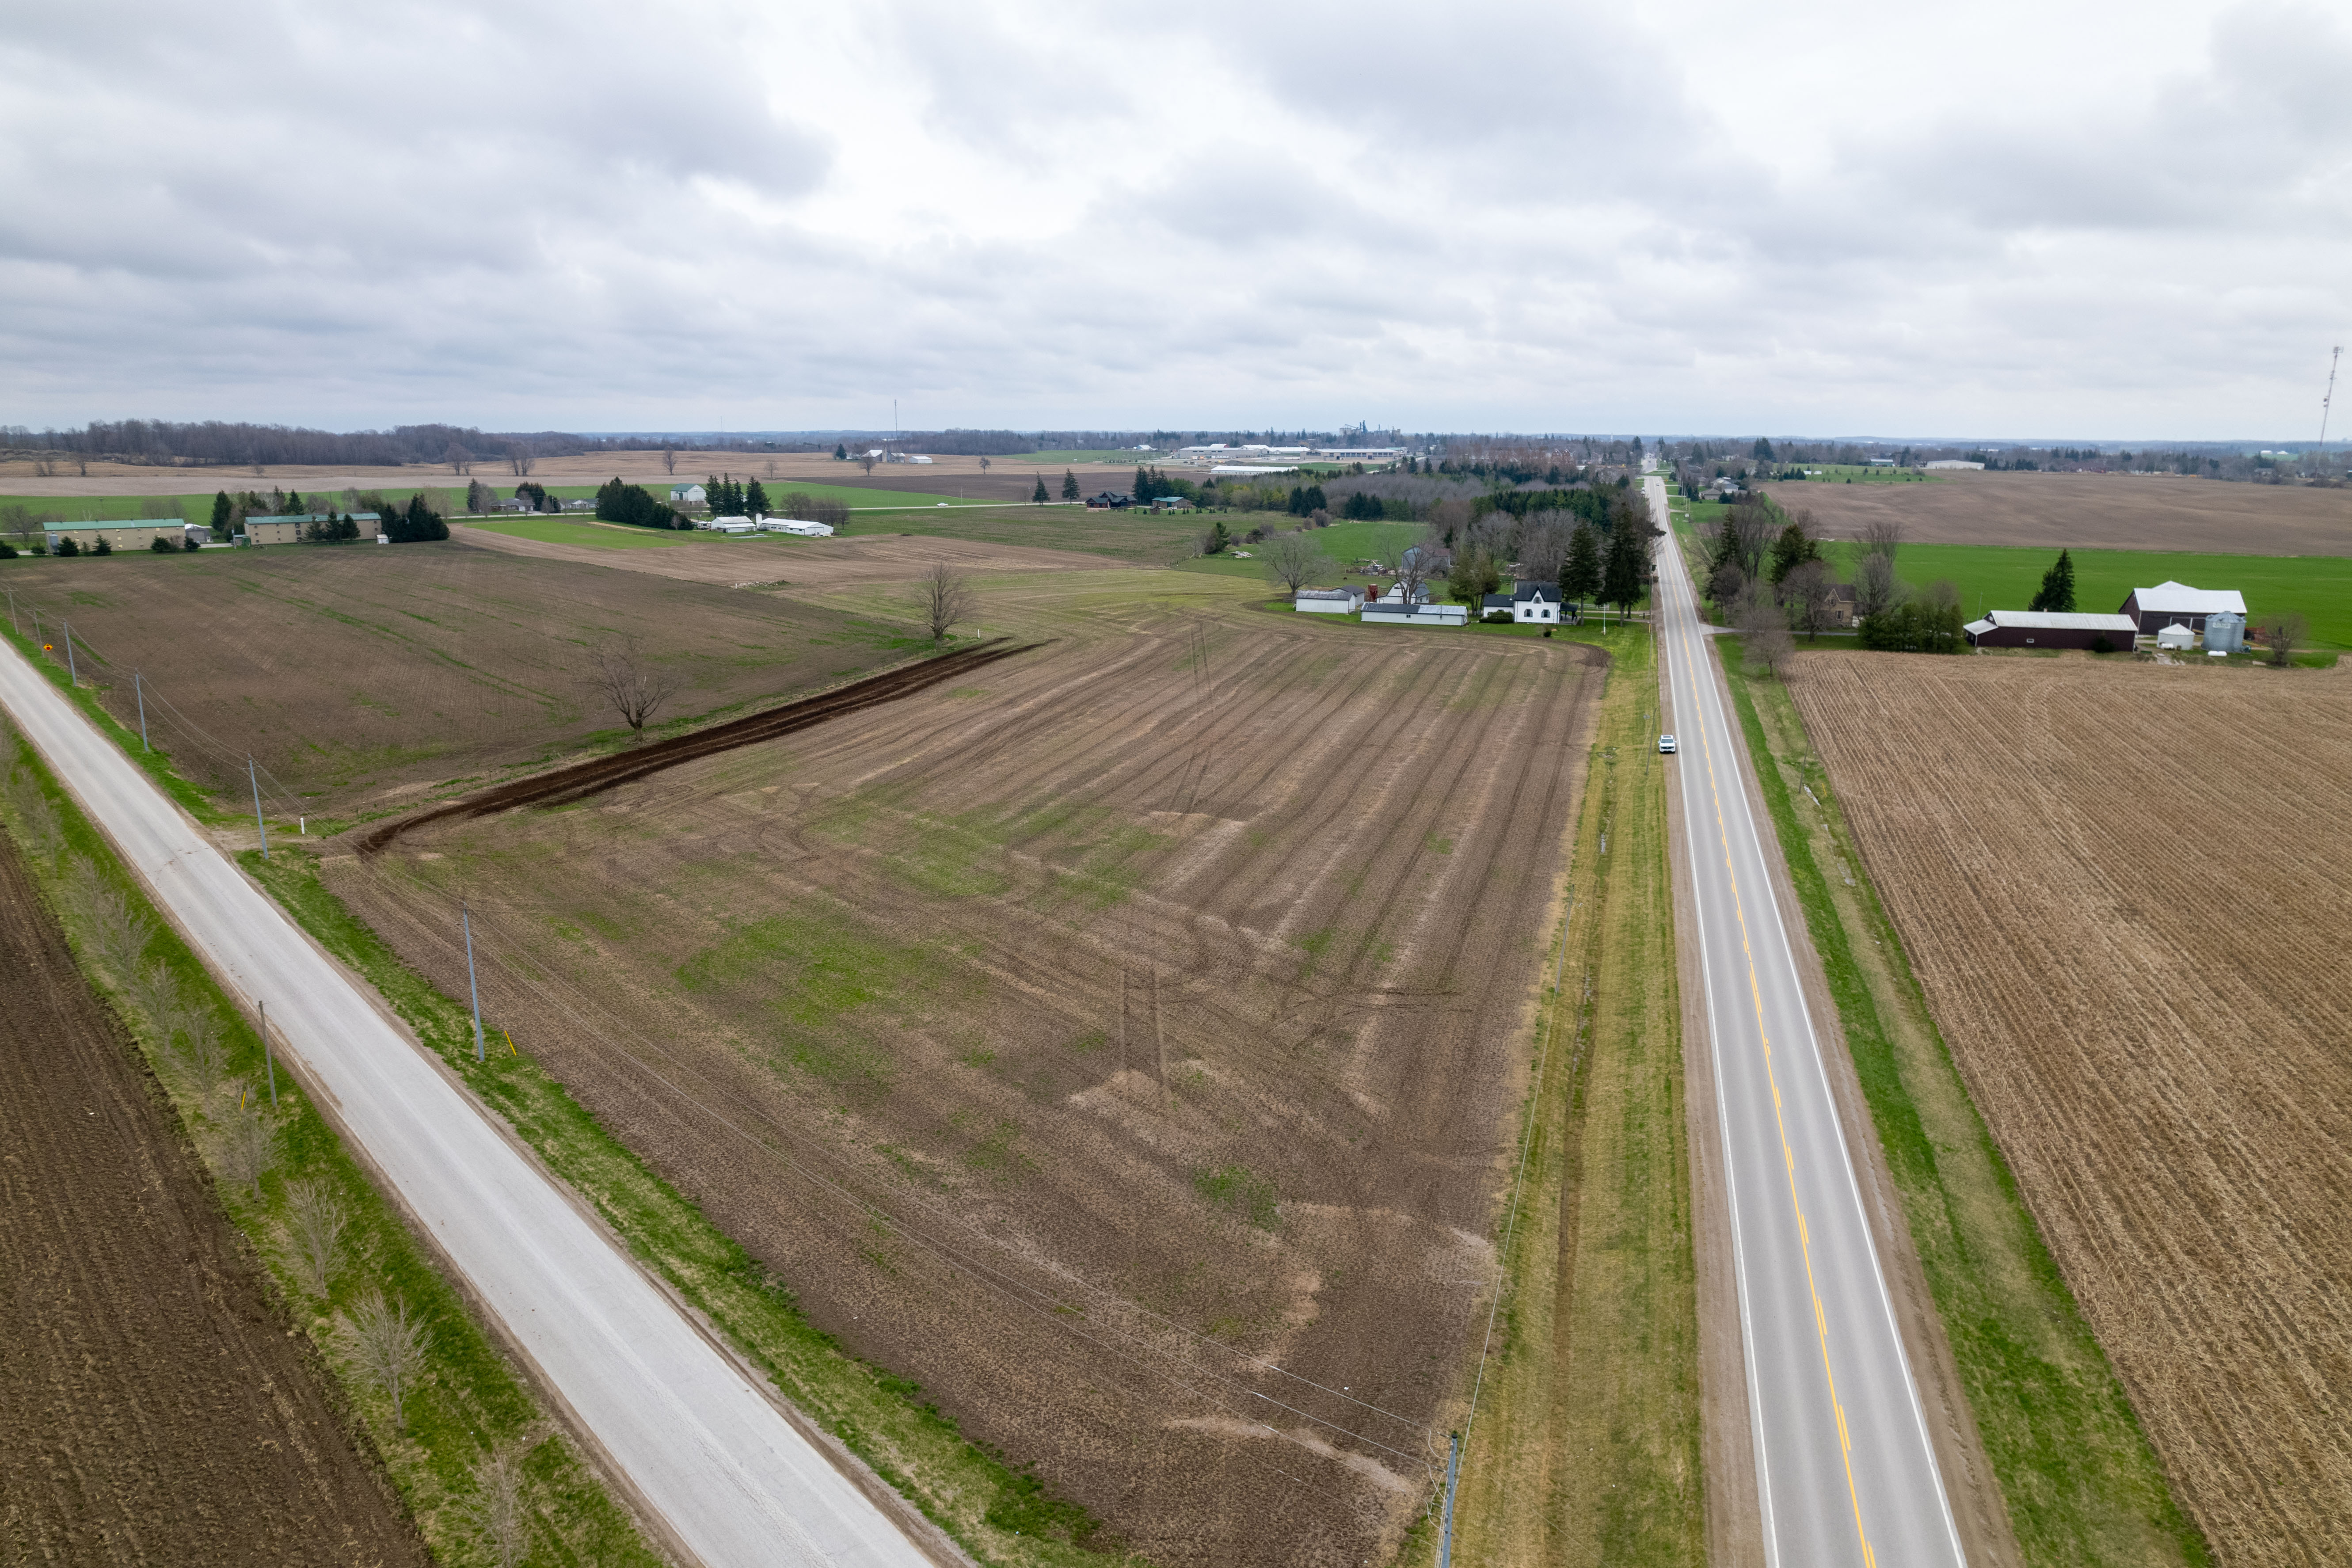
{"points": [[688, 495], [1536, 602], [138, 533]]}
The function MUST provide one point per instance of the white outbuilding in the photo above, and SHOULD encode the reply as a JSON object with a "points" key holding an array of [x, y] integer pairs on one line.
{"points": [[2175, 638]]}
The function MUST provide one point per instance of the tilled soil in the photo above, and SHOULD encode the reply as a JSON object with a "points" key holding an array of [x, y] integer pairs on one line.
{"points": [[818, 564], [2122, 887], [154, 1409], [361, 676], [2106, 511], [1123, 1045]]}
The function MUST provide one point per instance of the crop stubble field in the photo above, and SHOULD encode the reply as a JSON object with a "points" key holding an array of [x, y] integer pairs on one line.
{"points": [[362, 674], [2115, 511], [1124, 1046], [157, 1412], [2129, 942]]}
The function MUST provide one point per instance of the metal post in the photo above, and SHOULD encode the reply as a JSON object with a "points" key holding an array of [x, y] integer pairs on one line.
{"points": [[468, 920], [1446, 1539], [267, 1059], [13, 624], [138, 686], [254, 779], [73, 677]]}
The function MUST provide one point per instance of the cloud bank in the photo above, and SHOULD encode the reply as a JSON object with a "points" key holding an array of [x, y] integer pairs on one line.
{"points": [[1687, 216]]}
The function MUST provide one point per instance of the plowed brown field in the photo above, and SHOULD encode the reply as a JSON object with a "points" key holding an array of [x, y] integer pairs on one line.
{"points": [[2123, 888], [1124, 1046], [803, 563], [2109, 511], [153, 1409], [361, 676]]}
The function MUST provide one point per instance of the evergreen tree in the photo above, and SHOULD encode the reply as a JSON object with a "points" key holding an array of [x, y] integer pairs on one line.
{"points": [[222, 526], [840, 452], [1146, 487], [1069, 485], [294, 504], [1621, 576], [1218, 537], [1579, 574], [1762, 450], [755, 500], [1038, 496], [2057, 593], [1790, 551]]}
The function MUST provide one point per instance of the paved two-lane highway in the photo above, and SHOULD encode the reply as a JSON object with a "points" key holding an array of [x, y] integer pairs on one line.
{"points": [[1843, 1464], [704, 1448]]}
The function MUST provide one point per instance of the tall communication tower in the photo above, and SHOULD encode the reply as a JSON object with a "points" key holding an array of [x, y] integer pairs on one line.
{"points": [[2328, 397]]}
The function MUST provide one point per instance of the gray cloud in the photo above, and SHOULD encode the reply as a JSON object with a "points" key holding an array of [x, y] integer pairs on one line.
{"points": [[1536, 217]]}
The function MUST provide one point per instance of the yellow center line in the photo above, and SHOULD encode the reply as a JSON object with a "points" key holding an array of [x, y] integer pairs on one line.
{"points": [[1788, 1153]]}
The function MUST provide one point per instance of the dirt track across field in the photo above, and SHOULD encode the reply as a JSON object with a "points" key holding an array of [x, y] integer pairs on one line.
{"points": [[2125, 900], [1123, 1043], [597, 775], [2080, 511], [155, 1410]]}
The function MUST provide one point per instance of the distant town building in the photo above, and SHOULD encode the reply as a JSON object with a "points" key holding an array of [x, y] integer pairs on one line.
{"points": [[1951, 463]]}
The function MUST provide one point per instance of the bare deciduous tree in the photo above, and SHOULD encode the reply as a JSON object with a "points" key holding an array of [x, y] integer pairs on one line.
{"points": [[315, 1221], [114, 928], [459, 458], [984, 466], [2281, 634], [1876, 590], [866, 461], [629, 681], [1423, 564], [1764, 631], [386, 1344], [670, 459], [1289, 559], [35, 817], [1810, 592], [1882, 536], [499, 1508], [194, 1049], [944, 599], [772, 468], [245, 1145], [18, 522], [522, 459], [156, 993]]}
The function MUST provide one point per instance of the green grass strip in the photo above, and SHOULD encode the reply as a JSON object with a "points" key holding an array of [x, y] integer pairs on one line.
{"points": [[469, 1398], [2081, 1480], [996, 1511]]}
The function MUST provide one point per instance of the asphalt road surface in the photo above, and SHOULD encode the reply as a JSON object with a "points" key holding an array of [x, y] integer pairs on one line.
{"points": [[1843, 1464], [705, 1449]]}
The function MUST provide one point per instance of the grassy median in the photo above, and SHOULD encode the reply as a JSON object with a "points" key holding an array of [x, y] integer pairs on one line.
{"points": [[1584, 1447]]}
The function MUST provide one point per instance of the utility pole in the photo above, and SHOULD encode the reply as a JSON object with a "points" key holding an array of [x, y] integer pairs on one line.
{"points": [[73, 677], [13, 624], [267, 1060], [254, 779], [467, 919], [1446, 1537], [2328, 397], [139, 688]]}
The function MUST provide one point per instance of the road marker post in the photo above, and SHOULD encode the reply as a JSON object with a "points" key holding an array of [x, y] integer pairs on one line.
{"points": [[255, 780], [467, 919]]}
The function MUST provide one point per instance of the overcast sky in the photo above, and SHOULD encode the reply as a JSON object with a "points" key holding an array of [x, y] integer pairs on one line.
{"points": [[1819, 216]]}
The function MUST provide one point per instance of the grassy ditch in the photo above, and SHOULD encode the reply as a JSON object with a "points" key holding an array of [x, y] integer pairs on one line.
{"points": [[1585, 1445], [999, 1513], [463, 1402], [2080, 1480]]}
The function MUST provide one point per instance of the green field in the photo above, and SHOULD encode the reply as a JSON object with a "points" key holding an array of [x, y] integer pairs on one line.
{"points": [[597, 535], [1853, 474], [2001, 577], [1342, 545]]}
